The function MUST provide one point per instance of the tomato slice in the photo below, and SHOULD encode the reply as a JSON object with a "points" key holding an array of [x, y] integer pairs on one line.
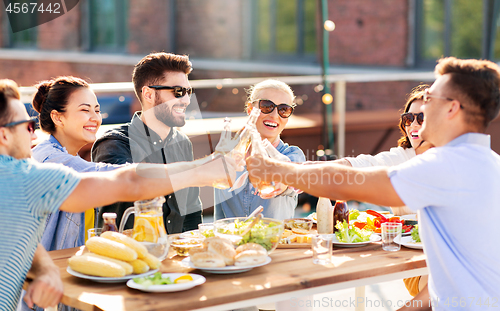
{"points": [[360, 225]]}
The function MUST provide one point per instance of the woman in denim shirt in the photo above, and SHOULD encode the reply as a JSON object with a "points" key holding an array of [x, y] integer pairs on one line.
{"points": [[276, 101], [70, 113]]}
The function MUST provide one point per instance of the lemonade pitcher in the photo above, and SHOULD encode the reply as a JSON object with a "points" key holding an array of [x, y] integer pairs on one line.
{"points": [[149, 228]]}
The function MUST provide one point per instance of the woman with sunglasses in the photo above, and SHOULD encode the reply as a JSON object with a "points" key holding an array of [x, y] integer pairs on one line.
{"points": [[69, 112], [409, 145], [275, 101]]}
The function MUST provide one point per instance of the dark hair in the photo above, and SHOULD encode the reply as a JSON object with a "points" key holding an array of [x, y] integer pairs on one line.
{"points": [[53, 95], [8, 90], [476, 85], [151, 69], [417, 93]]}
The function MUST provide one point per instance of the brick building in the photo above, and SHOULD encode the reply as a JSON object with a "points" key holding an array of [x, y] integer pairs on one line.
{"points": [[101, 40]]}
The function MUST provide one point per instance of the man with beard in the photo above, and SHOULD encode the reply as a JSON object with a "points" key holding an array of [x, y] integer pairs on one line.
{"points": [[162, 87]]}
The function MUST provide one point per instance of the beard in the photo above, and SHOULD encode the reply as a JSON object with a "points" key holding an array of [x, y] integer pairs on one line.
{"points": [[163, 113]]}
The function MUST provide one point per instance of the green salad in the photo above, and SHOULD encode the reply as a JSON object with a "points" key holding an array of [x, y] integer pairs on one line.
{"points": [[353, 214], [414, 234], [351, 235], [155, 279], [265, 234]]}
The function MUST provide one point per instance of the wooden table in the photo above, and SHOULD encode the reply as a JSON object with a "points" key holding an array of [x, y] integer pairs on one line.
{"points": [[290, 274]]}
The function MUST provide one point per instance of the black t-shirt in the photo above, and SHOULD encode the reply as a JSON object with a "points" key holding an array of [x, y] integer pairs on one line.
{"points": [[135, 142]]}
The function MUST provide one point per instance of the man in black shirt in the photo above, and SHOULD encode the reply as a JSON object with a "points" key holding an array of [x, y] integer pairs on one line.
{"points": [[162, 87]]}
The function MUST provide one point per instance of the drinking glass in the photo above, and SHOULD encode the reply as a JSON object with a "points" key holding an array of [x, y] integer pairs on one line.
{"points": [[206, 229], [322, 248], [391, 236], [94, 232]]}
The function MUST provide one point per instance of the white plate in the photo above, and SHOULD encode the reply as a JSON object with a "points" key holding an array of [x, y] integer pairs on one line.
{"points": [[226, 269], [407, 241], [101, 279], [197, 280], [192, 234], [373, 238]]}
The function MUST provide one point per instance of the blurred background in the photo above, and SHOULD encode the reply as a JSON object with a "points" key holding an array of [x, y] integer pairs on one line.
{"points": [[368, 60]]}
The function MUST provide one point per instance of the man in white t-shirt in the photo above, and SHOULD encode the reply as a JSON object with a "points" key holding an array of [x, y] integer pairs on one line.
{"points": [[454, 187]]}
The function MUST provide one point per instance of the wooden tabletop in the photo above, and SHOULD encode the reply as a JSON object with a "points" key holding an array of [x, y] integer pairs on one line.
{"points": [[290, 270]]}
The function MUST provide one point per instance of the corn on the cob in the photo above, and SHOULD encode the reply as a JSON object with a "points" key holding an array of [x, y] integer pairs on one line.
{"points": [[108, 248], [122, 238], [139, 266], [96, 266], [125, 265], [152, 261]]}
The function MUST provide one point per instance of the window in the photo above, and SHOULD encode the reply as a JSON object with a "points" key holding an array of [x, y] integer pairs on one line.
{"points": [[107, 23], [284, 29], [25, 38], [460, 28]]}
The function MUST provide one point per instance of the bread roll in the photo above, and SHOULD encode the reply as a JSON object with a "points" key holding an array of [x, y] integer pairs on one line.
{"points": [[215, 238], [207, 260], [250, 258], [223, 249], [196, 250], [250, 246]]}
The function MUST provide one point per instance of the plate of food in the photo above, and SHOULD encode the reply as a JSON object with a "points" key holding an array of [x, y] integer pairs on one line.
{"points": [[219, 256], [226, 269], [408, 241], [166, 282], [297, 238], [351, 236], [101, 279], [372, 238]]}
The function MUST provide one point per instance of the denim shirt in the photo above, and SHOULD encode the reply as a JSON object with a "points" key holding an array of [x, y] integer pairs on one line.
{"points": [[63, 229], [242, 201]]}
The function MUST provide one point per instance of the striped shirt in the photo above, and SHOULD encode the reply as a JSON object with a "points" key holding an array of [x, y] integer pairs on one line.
{"points": [[28, 192]]}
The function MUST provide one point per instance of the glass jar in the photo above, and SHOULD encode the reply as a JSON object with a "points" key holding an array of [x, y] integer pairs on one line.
{"points": [[149, 228], [109, 222], [340, 213]]}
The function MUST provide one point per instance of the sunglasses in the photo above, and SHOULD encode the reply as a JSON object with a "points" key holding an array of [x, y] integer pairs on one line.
{"points": [[179, 91], [266, 106], [31, 124], [427, 97], [409, 117]]}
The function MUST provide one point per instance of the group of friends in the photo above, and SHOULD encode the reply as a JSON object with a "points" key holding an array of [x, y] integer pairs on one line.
{"points": [[443, 168]]}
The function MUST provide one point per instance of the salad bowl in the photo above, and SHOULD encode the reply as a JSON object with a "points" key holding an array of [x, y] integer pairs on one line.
{"points": [[266, 232]]}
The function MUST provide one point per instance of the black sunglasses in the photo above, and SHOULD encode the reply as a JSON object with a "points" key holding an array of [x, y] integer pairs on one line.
{"points": [[266, 106], [31, 124], [179, 91], [409, 117]]}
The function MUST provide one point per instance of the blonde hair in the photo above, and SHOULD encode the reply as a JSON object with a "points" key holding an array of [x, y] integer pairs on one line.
{"points": [[254, 91]]}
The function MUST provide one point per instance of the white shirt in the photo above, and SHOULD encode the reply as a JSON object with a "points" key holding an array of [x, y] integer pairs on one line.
{"points": [[393, 157], [455, 189]]}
